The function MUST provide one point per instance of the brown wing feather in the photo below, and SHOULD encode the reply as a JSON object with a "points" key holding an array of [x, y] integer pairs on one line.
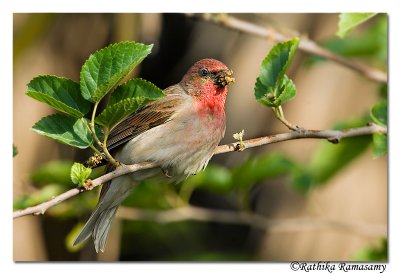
{"points": [[147, 117]]}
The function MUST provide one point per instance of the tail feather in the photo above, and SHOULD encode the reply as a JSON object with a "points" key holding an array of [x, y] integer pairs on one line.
{"points": [[88, 228], [102, 228], [98, 226], [99, 223]]}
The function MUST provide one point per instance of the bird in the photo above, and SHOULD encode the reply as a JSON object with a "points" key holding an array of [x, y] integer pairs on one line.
{"points": [[178, 132]]}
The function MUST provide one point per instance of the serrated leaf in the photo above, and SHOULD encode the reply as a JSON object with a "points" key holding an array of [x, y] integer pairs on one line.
{"points": [[348, 21], [379, 113], [285, 92], [379, 144], [60, 93], [79, 174], [126, 99], [274, 66], [116, 112], [272, 81], [264, 95], [106, 67], [135, 88], [65, 129]]}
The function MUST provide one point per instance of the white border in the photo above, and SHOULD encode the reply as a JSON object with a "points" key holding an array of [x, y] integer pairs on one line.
{"points": [[8, 7]]}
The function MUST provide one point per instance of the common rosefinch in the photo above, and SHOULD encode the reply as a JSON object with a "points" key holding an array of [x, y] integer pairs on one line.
{"points": [[178, 132]]}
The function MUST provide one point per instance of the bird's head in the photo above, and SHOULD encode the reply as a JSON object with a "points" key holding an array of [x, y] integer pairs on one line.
{"points": [[208, 78]]}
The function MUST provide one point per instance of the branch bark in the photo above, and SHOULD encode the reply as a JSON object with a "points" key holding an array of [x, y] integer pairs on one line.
{"points": [[306, 44], [333, 136], [251, 219]]}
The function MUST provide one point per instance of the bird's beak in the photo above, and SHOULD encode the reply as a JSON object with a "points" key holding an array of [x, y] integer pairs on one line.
{"points": [[224, 77]]}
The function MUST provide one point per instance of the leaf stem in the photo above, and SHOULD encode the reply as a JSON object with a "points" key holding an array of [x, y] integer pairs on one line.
{"points": [[104, 144], [105, 150], [278, 111], [95, 149]]}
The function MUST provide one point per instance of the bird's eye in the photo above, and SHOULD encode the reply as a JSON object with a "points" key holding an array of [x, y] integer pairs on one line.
{"points": [[203, 72]]}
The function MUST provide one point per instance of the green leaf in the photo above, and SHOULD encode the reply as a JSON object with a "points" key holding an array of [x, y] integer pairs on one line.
{"points": [[15, 150], [107, 67], [263, 94], [383, 93], [379, 144], [272, 86], [126, 99], [79, 174], [60, 93], [65, 129], [277, 61], [328, 159], [260, 168], [348, 21], [372, 253], [371, 44], [159, 192], [136, 88], [116, 112], [379, 113], [302, 179], [286, 91], [214, 178]]}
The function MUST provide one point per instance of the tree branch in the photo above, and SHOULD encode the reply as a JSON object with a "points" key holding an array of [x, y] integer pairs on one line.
{"points": [[333, 136], [251, 219], [306, 44]]}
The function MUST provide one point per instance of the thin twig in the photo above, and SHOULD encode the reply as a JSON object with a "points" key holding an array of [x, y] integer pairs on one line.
{"points": [[103, 145], [252, 219], [306, 44], [333, 136], [122, 170], [278, 112]]}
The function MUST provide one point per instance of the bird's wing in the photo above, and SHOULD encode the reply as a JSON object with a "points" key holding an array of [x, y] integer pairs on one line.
{"points": [[149, 116], [154, 114]]}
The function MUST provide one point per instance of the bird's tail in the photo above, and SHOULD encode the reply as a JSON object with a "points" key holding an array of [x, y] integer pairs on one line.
{"points": [[99, 223], [98, 226]]}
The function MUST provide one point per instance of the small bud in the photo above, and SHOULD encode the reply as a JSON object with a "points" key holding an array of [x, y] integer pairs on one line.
{"points": [[334, 140], [270, 96], [239, 136], [94, 160], [88, 184]]}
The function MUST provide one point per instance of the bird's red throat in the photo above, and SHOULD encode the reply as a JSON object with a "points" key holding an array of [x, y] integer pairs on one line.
{"points": [[211, 103]]}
